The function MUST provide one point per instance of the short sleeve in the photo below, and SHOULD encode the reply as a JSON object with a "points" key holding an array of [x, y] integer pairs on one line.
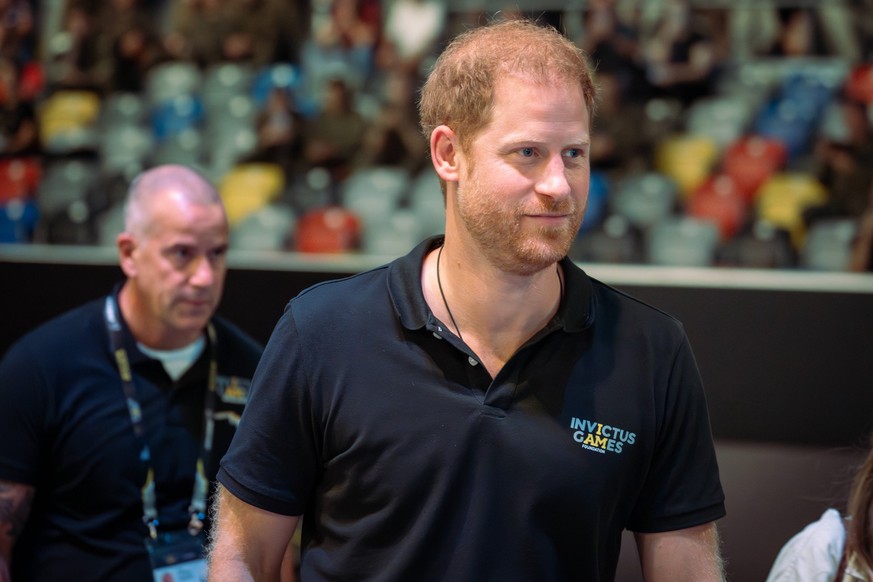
{"points": [[24, 404], [682, 487], [272, 462]]}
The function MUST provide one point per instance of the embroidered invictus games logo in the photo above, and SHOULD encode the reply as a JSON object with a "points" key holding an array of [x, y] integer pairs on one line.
{"points": [[232, 389], [599, 437]]}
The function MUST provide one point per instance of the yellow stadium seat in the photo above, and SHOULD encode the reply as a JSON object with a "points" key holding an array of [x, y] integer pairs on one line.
{"points": [[783, 198], [248, 187], [686, 158], [65, 116]]}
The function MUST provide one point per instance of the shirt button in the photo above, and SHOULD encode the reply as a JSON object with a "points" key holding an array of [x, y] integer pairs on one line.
{"points": [[438, 336], [472, 361]]}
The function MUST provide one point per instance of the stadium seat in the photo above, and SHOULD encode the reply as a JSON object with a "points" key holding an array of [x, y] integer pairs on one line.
{"points": [[123, 109], [248, 188], [172, 79], [224, 81], [682, 241], [18, 220], [185, 147], [269, 228], [783, 199], [176, 114], [328, 229], [283, 76], [66, 209], [790, 120], [426, 201], [598, 200], [687, 159], [19, 178], [724, 119], [751, 160], [67, 121], [124, 148], [828, 244], [31, 81], [65, 182], [759, 246], [719, 200], [644, 199], [614, 240], [395, 236], [374, 193], [224, 120], [813, 89], [859, 84]]}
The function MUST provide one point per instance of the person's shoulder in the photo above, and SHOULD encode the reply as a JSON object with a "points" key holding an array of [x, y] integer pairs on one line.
{"points": [[613, 301], [345, 290], [64, 332], [332, 301], [814, 553]]}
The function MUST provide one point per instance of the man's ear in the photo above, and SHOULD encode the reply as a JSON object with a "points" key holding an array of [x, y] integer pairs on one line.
{"points": [[444, 153], [126, 245]]}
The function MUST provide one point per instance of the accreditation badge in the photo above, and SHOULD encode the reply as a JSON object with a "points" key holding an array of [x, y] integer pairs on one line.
{"points": [[177, 557]]}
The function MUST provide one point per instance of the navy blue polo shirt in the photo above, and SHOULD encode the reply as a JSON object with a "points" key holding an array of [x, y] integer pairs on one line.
{"points": [[409, 462], [65, 429]]}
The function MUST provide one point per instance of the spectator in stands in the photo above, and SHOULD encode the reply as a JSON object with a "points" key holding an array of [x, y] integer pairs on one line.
{"points": [[265, 31], [198, 30], [393, 138], [343, 42], [116, 413], [334, 135], [279, 128], [413, 31], [135, 50], [680, 57], [17, 32], [618, 143], [837, 547], [816, 30], [613, 46], [844, 157], [18, 130], [74, 51], [862, 247]]}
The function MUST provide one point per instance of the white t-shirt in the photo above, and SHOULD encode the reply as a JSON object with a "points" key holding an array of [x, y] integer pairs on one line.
{"points": [[176, 362], [814, 553]]}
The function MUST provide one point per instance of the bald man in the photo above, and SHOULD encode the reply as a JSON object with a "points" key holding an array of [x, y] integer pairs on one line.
{"points": [[113, 416]]}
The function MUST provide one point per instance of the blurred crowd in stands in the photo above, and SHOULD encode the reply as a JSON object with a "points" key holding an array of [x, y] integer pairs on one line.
{"points": [[728, 134]]}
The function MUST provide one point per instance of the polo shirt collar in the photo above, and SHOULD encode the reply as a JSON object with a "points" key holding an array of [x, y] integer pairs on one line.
{"points": [[404, 289]]}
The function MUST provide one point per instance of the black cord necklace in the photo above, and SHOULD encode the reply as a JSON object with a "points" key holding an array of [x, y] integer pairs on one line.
{"points": [[443, 295], [446, 303]]}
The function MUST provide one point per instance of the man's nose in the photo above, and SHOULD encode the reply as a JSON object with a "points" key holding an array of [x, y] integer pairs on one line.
{"points": [[204, 273], [553, 180]]}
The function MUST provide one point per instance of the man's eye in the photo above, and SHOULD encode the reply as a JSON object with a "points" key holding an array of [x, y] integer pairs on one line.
{"points": [[527, 152], [573, 153], [180, 254]]}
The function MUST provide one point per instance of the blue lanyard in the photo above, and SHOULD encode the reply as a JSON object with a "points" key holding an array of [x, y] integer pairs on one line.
{"points": [[197, 507]]}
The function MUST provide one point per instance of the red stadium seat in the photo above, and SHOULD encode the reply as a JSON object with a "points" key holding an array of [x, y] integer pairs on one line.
{"points": [[19, 178], [328, 229], [751, 160], [721, 201]]}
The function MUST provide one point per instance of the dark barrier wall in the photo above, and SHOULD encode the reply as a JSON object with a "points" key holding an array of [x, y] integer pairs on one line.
{"points": [[782, 365]]}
